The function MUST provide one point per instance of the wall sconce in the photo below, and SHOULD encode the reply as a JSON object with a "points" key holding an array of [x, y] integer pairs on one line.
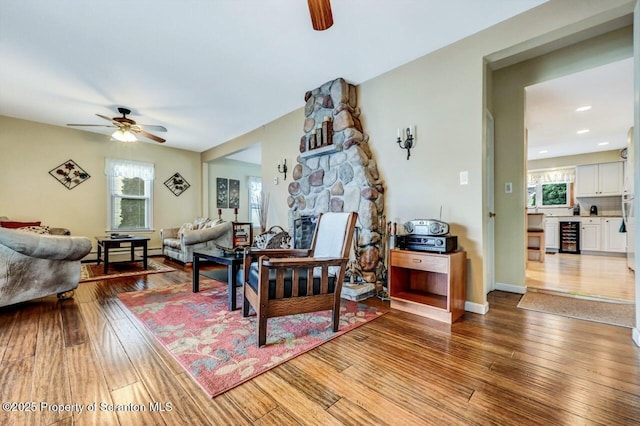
{"points": [[408, 141], [282, 168]]}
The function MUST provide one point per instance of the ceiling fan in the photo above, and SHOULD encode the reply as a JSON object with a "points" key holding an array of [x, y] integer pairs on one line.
{"points": [[126, 127]]}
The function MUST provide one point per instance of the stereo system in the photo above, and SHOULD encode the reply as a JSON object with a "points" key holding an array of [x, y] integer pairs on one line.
{"points": [[427, 235], [426, 227]]}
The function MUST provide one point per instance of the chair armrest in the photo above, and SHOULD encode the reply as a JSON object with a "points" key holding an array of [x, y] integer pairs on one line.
{"points": [[169, 233], [302, 262], [256, 252]]}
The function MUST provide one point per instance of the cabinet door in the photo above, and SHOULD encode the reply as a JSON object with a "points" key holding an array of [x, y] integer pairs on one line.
{"points": [[610, 178], [587, 180], [614, 240], [590, 237], [552, 234]]}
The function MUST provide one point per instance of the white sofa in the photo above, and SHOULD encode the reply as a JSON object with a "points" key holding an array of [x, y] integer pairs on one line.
{"points": [[202, 234]]}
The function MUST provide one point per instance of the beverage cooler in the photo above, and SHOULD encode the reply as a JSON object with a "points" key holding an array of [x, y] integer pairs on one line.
{"points": [[570, 237]]}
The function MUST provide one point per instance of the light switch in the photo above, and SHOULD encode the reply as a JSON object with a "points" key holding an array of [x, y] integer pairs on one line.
{"points": [[275, 180], [464, 177], [508, 187]]}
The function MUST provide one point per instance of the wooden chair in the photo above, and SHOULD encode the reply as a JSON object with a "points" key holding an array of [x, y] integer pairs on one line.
{"points": [[280, 282]]}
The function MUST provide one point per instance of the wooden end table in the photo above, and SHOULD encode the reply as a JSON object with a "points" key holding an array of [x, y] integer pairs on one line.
{"points": [[106, 242], [233, 263]]}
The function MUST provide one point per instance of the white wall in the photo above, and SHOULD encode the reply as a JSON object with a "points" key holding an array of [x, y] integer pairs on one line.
{"points": [[231, 169]]}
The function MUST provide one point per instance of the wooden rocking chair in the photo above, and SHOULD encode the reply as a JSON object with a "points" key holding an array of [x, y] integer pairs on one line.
{"points": [[280, 282]]}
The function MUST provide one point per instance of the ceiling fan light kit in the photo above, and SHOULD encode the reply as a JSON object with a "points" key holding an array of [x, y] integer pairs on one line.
{"points": [[123, 136], [321, 16], [126, 128]]}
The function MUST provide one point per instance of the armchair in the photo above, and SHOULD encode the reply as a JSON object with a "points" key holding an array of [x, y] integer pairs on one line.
{"points": [[279, 282], [36, 265], [179, 243]]}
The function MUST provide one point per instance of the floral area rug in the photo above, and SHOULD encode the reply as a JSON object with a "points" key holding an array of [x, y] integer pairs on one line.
{"points": [[94, 272], [217, 347]]}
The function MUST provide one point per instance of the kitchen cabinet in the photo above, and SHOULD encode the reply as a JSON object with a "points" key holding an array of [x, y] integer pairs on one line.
{"points": [[612, 239], [552, 233], [590, 236], [596, 180]]}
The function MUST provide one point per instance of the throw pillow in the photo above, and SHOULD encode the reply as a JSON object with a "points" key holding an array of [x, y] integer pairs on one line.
{"points": [[199, 222], [185, 227], [43, 230], [14, 225]]}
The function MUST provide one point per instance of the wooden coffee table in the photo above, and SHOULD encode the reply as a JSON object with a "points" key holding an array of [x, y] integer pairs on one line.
{"points": [[106, 243], [233, 263]]}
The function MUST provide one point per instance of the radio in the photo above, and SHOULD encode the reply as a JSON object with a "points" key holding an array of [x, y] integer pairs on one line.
{"points": [[440, 244], [426, 227]]}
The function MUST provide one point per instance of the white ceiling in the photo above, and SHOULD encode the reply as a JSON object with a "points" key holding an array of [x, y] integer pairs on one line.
{"points": [[553, 122], [210, 70]]}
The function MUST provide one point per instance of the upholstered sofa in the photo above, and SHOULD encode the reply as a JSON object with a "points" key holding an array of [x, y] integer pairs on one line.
{"points": [[35, 265], [202, 234]]}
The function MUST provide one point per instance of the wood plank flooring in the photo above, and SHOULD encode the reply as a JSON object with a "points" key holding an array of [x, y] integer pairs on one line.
{"points": [[587, 275], [511, 366]]}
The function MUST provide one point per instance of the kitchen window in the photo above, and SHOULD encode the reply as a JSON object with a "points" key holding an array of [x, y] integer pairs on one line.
{"points": [[556, 194]]}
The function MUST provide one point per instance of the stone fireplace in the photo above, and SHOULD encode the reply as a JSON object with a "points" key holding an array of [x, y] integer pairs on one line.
{"points": [[336, 172]]}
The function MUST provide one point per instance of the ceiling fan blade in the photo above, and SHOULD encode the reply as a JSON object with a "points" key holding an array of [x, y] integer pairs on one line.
{"points": [[152, 137], [153, 127], [91, 125], [105, 117]]}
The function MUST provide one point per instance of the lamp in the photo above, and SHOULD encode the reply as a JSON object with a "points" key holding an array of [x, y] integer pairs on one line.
{"points": [[408, 142], [124, 136], [282, 168], [321, 16]]}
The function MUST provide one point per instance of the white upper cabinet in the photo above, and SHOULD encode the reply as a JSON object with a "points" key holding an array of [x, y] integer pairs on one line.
{"points": [[595, 180]]}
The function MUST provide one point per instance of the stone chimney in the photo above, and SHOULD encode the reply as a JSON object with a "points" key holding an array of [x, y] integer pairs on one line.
{"points": [[336, 172]]}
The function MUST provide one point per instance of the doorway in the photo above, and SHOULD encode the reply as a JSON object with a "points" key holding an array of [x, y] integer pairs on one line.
{"points": [[572, 123]]}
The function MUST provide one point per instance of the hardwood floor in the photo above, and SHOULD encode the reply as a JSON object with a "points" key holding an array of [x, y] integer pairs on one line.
{"points": [[587, 275], [511, 366]]}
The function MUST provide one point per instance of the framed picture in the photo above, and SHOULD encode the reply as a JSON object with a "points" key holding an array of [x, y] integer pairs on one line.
{"points": [[177, 184], [222, 197], [234, 193]]}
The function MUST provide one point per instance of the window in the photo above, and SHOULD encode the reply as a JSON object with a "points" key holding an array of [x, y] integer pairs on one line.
{"points": [[255, 200], [548, 195], [130, 202]]}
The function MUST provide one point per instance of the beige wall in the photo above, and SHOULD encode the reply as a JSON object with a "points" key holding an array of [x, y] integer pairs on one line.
{"points": [[231, 169], [443, 95], [29, 150], [508, 108]]}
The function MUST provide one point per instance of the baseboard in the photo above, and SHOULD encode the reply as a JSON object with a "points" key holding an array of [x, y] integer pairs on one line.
{"points": [[635, 334], [476, 308], [510, 288]]}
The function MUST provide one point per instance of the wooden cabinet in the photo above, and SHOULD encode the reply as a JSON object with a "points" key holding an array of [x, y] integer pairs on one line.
{"points": [[595, 180], [612, 239], [552, 233], [590, 235], [428, 284]]}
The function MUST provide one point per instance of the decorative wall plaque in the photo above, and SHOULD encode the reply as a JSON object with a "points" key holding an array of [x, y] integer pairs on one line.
{"points": [[69, 174], [177, 184]]}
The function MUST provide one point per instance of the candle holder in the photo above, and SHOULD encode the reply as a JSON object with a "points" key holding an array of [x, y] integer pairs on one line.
{"points": [[408, 143], [235, 212], [282, 168]]}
